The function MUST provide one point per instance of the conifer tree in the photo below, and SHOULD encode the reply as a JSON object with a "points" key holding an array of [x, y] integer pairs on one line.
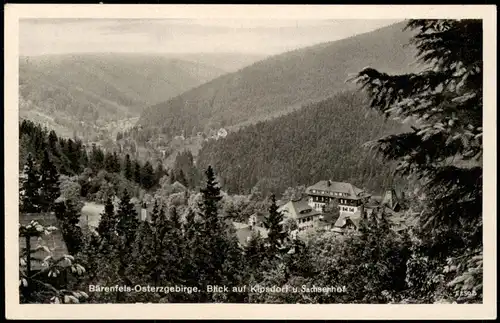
{"points": [[443, 102], [137, 172], [127, 168], [148, 176], [30, 187], [49, 183], [274, 224], [171, 249], [127, 220], [69, 217], [254, 252], [159, 173], [155, 214], [116, 163], [108, 221], [212, 243], [109, 163], [52, 142], [143, 257]]}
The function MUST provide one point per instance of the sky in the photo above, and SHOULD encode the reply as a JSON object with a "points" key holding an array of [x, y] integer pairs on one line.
{"points": [[43, 36]]}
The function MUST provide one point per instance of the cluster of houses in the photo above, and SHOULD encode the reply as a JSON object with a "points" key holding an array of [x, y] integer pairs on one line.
{"points": [[315, 210]]}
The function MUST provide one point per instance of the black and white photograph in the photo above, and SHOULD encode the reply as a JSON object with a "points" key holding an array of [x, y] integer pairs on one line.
{"points": [[252, 160]]}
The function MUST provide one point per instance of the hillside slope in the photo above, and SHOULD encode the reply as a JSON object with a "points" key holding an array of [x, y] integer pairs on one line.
{"points": [[101, 87], [281, 82], [321, 141]]}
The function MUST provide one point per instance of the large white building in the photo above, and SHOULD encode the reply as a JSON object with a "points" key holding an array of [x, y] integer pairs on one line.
{"points": [[348, 196]]}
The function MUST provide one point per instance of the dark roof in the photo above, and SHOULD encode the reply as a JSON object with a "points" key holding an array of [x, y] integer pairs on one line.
{"points": [[390, 199], [330, 217], [345, 217], [54, 241], [298, 209], [327, 187]]}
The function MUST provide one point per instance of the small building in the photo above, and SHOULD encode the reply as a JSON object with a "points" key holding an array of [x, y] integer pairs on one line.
{"points": [[302, 212], [391, 200]]}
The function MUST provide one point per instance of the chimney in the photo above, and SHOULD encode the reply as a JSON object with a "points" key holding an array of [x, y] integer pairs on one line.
{"points": [[329, 183]]}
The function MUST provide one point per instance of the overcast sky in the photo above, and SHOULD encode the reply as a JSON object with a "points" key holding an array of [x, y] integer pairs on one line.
{"points": [[51, 36]]}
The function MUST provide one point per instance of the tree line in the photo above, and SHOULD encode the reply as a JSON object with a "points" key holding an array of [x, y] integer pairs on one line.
{"points": [[70, 157]]}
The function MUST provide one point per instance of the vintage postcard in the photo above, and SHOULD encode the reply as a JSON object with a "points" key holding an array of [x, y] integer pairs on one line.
{"points": [[250, 161]]}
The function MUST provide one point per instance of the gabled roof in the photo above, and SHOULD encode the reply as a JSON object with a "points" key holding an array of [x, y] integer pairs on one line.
{"points": [[345, 217], [390, 199], [326, 187], [298, 209]]}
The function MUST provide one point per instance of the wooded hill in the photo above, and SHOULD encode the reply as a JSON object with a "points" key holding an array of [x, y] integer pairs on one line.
{"points": [[281, 83], [321, 141], [91, 88]]}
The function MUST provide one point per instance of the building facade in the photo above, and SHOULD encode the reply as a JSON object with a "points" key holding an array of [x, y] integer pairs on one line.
{"points": [[348, 197]]}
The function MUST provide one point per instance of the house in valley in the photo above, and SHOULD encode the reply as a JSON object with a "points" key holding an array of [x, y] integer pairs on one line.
{"points": [[301, 212], [348, 196]]}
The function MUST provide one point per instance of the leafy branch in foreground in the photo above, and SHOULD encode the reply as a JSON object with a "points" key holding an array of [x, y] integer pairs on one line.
{"points": [[44, 285]]}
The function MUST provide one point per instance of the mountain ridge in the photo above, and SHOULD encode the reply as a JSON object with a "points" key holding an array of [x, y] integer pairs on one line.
{"points": [[293, 78]]}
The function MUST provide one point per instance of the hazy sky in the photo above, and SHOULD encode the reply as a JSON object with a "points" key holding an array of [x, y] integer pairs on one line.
{"points": [[49, 36]]}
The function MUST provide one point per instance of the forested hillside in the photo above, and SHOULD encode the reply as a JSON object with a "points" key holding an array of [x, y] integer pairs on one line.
{"points": [[281, 83], [75, 91], [321, 141], [98, 174]]}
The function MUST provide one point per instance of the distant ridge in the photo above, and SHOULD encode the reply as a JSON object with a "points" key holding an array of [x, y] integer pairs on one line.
{"points": [[282, 82]]}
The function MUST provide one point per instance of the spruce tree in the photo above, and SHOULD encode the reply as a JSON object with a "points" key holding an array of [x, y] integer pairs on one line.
{"points": [[127, 168], [108, 221], [137, 172], [212, 254], [171, 249], [127, 220], [274, 224], [143, 263], [443, 150], [254, 253], [52, 142], [109, 163], [148, 176], [116, 163], [49, 183], [159, 173], [30, 187], [69, 217]]}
